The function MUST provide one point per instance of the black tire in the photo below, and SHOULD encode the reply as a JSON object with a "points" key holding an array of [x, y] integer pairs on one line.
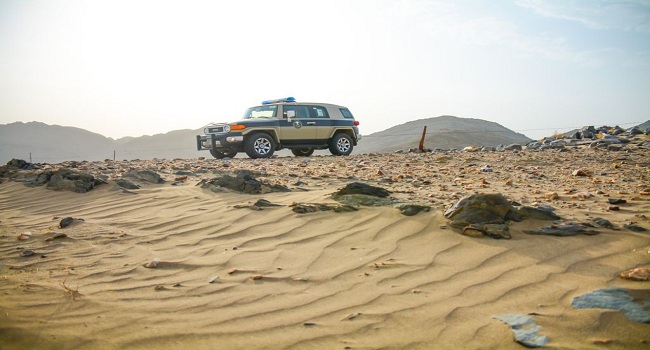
{"points": [[259, 145], [341, 144], [223, 154], [302, 152], [230, 153]]}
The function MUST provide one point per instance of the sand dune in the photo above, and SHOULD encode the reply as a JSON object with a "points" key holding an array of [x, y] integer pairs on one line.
{"points": [[233, 278]]}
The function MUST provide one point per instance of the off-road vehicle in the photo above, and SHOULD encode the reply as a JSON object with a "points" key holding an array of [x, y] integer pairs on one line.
{"points": [[283, 123]]}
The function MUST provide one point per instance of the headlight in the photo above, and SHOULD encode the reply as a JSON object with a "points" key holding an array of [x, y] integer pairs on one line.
{"points": [[226, 128]]}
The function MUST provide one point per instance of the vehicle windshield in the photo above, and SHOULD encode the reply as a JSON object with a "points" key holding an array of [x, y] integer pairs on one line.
{"points": [[261, 112]]}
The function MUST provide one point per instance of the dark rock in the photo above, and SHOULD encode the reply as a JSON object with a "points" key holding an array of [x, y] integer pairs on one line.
{"points": [[66, 179], [362, 188], [26, 253], [20, 164], [65, 222], [600, 222], [497, 231], [242, 182], [365, 200], [540, 213], [563, 230], [636, 131], [412, 209], [616, 201], [635, 304], [312, 208], [514, 147], [265, 203], [634, 227], [481, 209], [524, 329], [145, 175], [588, 132], [128, 184]]}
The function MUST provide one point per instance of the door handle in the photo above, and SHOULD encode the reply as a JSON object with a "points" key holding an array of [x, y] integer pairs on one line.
{"points": [[311, 123]]}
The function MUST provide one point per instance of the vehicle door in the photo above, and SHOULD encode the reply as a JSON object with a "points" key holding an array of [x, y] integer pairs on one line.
{"points": [[301, 128], [324, 124]]}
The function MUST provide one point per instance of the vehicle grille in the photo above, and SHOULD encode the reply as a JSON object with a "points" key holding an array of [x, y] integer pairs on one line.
{"points": [[215, 130]]}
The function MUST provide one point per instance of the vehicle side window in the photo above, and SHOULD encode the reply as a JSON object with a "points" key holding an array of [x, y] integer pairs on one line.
{"points": [[346, 113], [318, 112], [301, 111]]}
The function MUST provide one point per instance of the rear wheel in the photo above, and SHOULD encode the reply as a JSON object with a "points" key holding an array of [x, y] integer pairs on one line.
{"points": [[259, 145], [341, 144], [302, 152]]}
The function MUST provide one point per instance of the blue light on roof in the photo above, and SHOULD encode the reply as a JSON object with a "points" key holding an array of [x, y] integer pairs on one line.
{"points": [[279, 100]]}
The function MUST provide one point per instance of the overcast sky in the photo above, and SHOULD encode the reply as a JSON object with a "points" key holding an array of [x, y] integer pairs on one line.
{"points": [[132, 68]]}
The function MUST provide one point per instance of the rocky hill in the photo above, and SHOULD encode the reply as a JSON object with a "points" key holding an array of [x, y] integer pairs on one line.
{"points": [[443, 132]]}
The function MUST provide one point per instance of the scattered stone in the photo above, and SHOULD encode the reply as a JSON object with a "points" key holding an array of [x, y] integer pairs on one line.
{"points": [[56, 236], [363, 189], [637, 274], [412, 209], [474, 231], [634, 227], [580, 172], [497, 231], [616, 201], [312, 208], [145, 175], [152, 264], [551, 195], [243, 182], [24, 236], [481, 209], [562, 230], [26, 253], [539, 213], [265, 203], [635, 304], [514, 147], [65, 222], [64, 179], [524, 329], [126, 183], [604, 223]]}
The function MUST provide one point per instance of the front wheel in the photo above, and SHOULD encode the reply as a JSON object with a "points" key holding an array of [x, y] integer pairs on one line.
{"points": [[223, 154], [260, 145], [341, 144], [302, 152]]}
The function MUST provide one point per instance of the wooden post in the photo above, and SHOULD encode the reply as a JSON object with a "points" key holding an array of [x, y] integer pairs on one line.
{"points": [[30, 157], [113, 155], [424, 133]]}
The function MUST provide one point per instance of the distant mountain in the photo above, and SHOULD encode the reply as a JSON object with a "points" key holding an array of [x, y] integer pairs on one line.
{"points": [[443, 132], [43, 143]]}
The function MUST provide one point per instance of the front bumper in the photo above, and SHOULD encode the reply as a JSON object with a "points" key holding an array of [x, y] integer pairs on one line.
{"points": [[214, 141]]}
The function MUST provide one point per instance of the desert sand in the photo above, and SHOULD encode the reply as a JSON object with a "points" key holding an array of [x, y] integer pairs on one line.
{"points": [[182, 267]]}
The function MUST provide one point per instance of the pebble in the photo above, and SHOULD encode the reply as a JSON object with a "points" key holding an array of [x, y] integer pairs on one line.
{"points": [[152, 264]]}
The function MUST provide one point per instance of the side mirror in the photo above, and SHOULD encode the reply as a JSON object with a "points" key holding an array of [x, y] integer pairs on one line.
{"points": [[290, 114]]}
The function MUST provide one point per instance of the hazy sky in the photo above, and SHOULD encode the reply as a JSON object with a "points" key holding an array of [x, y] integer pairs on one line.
{"points": [[132, 68]]}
